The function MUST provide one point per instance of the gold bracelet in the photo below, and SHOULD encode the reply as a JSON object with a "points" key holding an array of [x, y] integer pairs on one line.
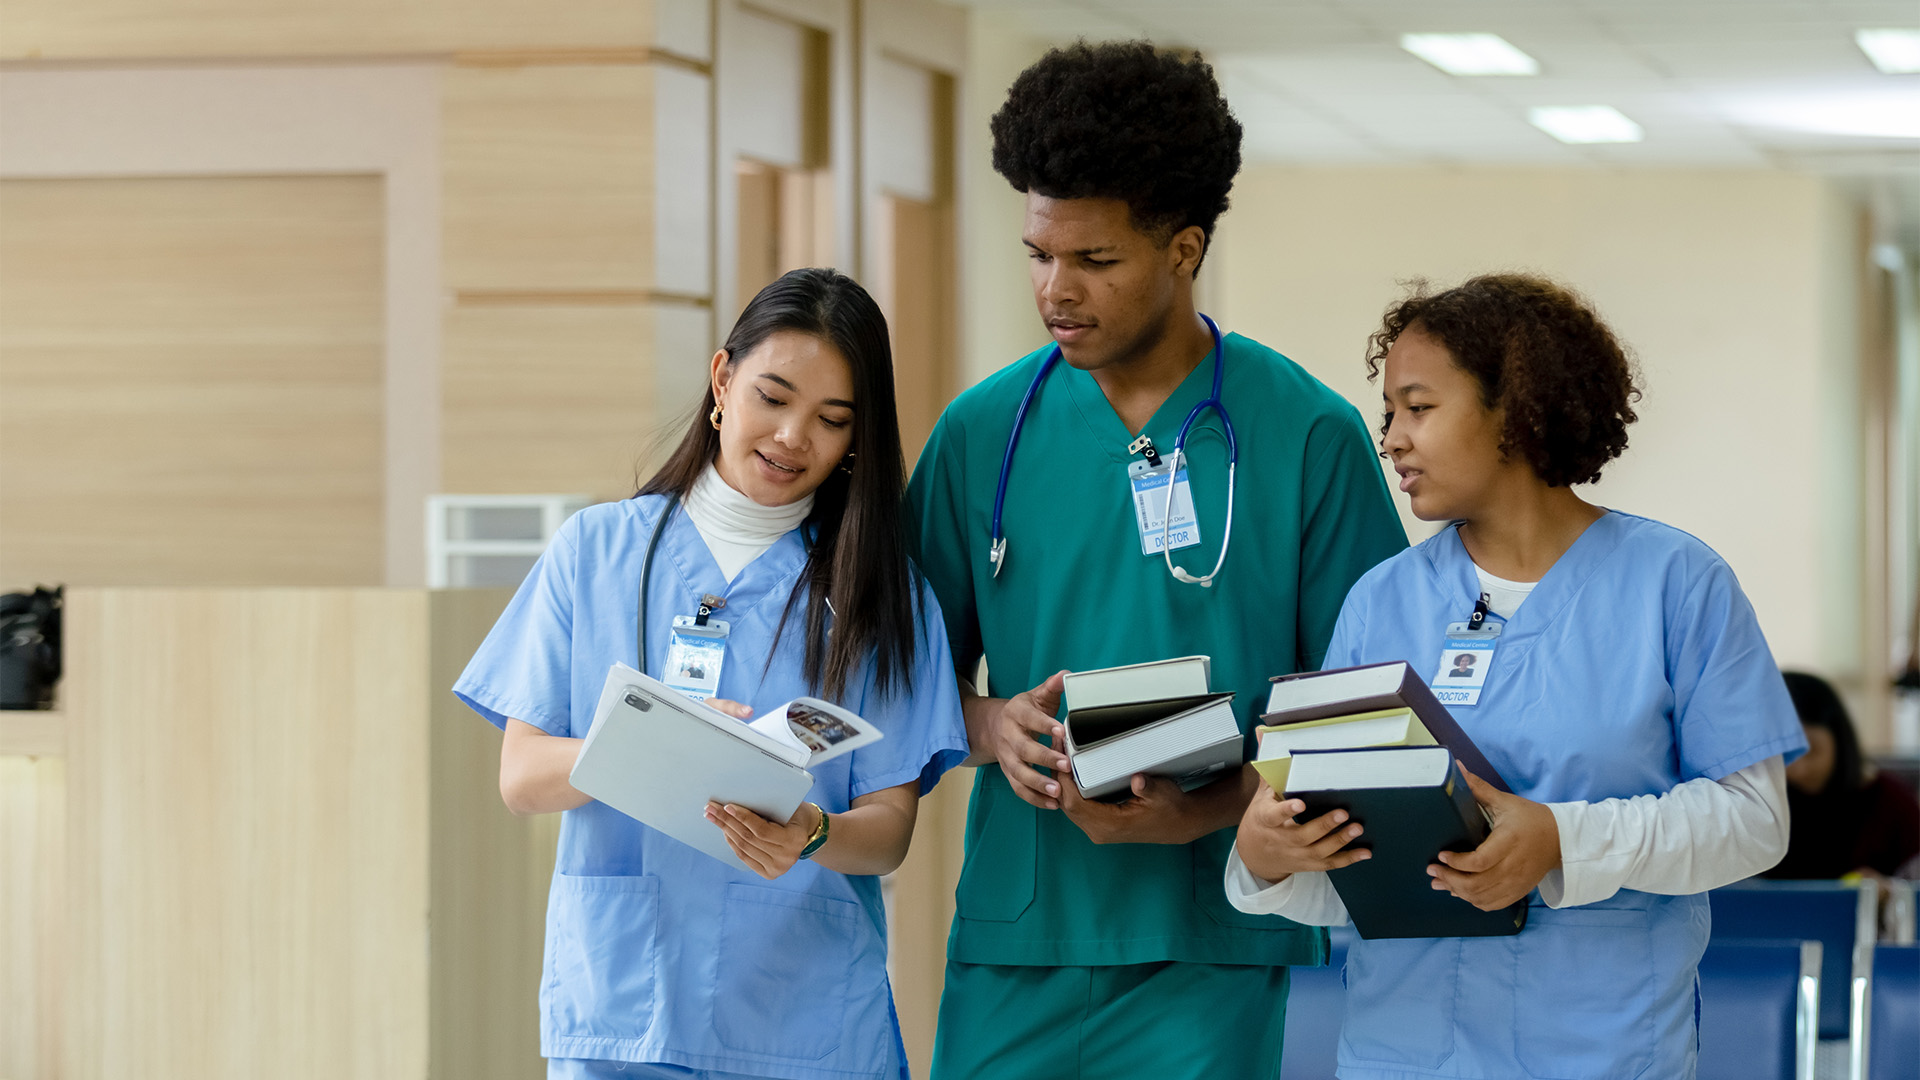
{"points": [[818, 838]]}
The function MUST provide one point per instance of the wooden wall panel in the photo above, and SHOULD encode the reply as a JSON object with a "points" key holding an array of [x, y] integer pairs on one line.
{"points": [[549, 179], [193, 376], [61, 29], [922, 911], [547, 398], [32, 873], [248, 860], [490, 874]]}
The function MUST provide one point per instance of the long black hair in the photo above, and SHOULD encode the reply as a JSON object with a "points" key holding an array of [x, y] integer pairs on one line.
{"points": [[1819, 706], [857, 567]]}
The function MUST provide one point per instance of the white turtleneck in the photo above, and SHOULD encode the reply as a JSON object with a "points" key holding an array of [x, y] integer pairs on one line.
{"points": [[737, 529]]}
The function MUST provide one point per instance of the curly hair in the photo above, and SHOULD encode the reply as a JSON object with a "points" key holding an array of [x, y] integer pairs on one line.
{"points": [[1122, 120], [1541, 355]]}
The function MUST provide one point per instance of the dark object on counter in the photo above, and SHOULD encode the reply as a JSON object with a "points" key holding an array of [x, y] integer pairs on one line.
{"points": [[29, 648]]}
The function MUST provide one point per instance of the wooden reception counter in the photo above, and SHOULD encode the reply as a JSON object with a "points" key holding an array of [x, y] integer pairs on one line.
{"points": [[260, 837]]}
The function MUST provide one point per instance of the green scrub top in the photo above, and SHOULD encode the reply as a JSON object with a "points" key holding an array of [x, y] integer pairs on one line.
{"points": [[1311, 515]]}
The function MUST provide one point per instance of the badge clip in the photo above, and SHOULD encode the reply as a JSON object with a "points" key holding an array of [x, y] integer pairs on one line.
{"points": [[1144, 445]]}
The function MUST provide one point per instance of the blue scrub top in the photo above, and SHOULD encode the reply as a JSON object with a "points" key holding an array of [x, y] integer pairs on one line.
{"points": [[1636, 664], [654, 951]]}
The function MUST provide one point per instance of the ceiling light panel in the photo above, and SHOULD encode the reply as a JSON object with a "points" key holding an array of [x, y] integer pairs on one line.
{"points": [[1894, 52], [1470, 54], [1585, 124]]}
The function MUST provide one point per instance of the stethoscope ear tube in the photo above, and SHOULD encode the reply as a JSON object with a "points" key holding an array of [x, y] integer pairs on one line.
{"points": [[997, 551], [997, 548]]}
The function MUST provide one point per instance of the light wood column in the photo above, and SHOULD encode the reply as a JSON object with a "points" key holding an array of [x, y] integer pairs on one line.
{"points": [[553, 257]]}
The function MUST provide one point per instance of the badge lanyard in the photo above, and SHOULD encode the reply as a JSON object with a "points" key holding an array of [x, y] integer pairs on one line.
{"points": [[697, 645], [1465, 657]]}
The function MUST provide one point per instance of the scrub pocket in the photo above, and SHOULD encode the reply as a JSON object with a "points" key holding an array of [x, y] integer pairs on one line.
{"points": [[602, 954], [998, 876], [1583, 987], [785, 968], [1401, 997]]}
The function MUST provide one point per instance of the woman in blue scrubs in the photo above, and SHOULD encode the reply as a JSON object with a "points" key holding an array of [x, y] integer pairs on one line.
{"points": [[1630, 701], [780, 510]]}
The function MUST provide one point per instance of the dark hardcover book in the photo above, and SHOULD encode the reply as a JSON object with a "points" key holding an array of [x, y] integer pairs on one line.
{"points": [[1316, 695], [1414, 803]]}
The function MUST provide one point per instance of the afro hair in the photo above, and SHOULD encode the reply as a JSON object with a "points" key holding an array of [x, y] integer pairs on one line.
{"points": [[1122, 120]]}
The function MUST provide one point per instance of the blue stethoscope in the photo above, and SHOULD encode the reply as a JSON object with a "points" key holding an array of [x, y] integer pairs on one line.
{"points": [[997, 553]]}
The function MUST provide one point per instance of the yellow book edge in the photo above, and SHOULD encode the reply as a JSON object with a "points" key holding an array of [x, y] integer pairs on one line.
{"points": [[1274, 770], [1331, 720]]}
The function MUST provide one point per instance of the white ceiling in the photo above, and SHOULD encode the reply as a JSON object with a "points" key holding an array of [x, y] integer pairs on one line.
{"points": [[1717, 83]]}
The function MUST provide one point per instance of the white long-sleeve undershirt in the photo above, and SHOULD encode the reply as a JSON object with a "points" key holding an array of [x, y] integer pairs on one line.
{"points": [[1701, 835]]}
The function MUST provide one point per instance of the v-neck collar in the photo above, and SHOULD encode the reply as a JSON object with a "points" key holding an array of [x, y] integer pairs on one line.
{"points": [[1551, 596], [1110, 433], [773, 572]]}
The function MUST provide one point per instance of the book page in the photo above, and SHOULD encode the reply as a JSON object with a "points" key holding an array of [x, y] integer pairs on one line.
{"points": [[817, 729]]}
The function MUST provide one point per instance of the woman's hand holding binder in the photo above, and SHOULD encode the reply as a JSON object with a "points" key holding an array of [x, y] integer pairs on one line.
{"points": [[1274, 845], [1522, 849]]}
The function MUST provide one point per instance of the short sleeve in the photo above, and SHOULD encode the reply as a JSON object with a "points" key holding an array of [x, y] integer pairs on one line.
{"points": [[1731, 707], [936, 525], [1343, 646], [523, 670], [926, 734], [1350, 527]]}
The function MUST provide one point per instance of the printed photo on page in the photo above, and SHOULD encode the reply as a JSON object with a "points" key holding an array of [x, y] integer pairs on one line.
{"points": [[823, 731]]}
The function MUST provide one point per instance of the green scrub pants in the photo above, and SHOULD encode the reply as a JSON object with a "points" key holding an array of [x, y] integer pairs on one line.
{"points": [[1162, 1021]]}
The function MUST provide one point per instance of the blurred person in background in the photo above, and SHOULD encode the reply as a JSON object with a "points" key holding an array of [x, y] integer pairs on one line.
{"points": [[1847, 817]]}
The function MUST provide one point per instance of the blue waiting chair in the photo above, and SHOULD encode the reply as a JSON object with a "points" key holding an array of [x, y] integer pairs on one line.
{"points": [[1840, 917], [1316, 1005], [1758, 1008], [1886, 992]]}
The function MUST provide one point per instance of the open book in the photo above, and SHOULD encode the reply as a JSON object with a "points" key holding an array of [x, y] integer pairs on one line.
{"points": [[811, 731], [660, 757]]}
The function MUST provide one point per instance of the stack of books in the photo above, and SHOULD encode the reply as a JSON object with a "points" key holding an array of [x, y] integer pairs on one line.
{"points": [[1157, 718], [1375, 742]]}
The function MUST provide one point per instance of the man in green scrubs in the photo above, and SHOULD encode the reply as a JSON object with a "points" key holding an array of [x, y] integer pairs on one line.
{"points": [[1094, 939]]}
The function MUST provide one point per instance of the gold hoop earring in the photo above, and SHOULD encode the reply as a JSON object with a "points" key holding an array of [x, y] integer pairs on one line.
{"points": [[714, 417], [846, 463]]}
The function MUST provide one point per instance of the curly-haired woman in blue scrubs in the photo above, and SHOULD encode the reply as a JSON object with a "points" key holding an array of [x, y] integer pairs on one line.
{"points": [[1630, 701], [781, 509]]}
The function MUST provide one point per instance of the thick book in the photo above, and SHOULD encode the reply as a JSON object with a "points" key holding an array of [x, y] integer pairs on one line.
{"points": [[1382, 727], [1413, 803], [659, 756], [1156, 718], [1296, 700]]}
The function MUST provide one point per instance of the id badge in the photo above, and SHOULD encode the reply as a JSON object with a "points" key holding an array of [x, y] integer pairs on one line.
{"points": [[1464, 660], [694, 656], [1149, 484]]}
